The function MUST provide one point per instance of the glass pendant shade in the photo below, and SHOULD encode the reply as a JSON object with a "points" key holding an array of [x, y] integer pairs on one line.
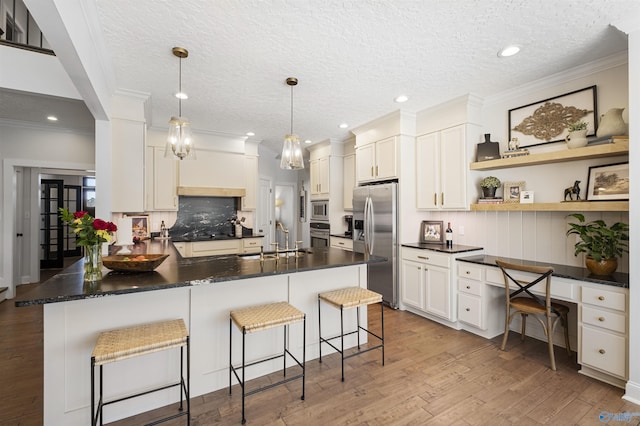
{"points": [[291, 153], [180, 139]]}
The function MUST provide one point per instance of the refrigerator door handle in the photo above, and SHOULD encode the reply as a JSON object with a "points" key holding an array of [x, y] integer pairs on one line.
{"points": [[372, 227], [365, 228]]}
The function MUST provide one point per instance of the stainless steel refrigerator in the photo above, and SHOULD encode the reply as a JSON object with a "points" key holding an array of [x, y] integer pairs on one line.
{"points": [[375, 219]]}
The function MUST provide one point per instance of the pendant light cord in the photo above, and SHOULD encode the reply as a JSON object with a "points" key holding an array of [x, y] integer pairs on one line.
{"points": [[180, 90], [291, 110]]}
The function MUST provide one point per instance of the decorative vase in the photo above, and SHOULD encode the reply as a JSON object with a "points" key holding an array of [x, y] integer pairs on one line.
{"points": [[604, 267], [93, 263], [576, 139], [489, 192], [612, 124]]}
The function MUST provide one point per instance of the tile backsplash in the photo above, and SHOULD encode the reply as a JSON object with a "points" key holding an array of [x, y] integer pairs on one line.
{"points": [[204, 216]]}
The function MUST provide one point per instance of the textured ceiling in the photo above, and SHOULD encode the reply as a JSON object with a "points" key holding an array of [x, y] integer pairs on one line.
{"points": [[352, 58]]}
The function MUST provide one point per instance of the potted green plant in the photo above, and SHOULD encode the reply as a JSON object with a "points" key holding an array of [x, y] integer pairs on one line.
{"points": [[602, 244], [489, 185], [577, 136]]}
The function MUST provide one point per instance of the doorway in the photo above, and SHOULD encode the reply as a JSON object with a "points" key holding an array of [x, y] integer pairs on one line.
{"points": [[264, 211], [285, 212]]}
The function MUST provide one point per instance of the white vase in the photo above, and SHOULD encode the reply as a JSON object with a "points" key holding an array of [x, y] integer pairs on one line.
{"points": [[576, 139], [612, 124]]}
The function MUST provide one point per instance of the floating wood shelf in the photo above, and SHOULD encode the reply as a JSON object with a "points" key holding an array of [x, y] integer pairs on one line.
{"points": [[619, 147], [569, 206]]}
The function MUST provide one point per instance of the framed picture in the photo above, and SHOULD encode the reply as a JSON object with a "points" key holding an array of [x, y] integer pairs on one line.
{"points": [[432, 231], [140, 226], [512, 191], [546, 121], [608, 183], [526, 197]]}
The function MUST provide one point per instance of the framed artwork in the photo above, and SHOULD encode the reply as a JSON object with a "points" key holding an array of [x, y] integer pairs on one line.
{"points": [[608, 183], [512, 191], [526, 197], [546, 121], [140, 226], [432, 231]]}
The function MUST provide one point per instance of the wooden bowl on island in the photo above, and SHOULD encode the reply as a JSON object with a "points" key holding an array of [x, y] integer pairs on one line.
{"points": [[133, 262]]}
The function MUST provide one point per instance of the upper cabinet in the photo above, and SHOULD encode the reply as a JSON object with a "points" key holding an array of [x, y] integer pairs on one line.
{"points": [[161, 180], [349, 170], [319, 170], [213, 169], [250, 182], [127, 150], [441, 178], [377, 160]]}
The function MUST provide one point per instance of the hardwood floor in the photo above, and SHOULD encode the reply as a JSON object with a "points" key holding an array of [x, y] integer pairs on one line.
{"points": [[432, 375]]}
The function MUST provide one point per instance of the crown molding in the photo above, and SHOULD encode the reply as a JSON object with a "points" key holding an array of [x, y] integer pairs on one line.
{"points": [[43, 127]]}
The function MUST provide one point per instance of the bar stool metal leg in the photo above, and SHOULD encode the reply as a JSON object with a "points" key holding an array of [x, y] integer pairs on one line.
{"points": [[342, 340], [319, 330]]}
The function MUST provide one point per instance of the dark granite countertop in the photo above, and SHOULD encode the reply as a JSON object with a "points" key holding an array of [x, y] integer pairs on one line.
{"points": [[177, 271], [217, 237], [457, 248], [618, 279]]}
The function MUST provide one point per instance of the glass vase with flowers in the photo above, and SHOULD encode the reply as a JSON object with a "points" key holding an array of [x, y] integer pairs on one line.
{"points": [[90, 234]]}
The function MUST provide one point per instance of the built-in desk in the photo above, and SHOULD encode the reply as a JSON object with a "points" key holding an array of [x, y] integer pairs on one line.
{"points": [[599, 308]]}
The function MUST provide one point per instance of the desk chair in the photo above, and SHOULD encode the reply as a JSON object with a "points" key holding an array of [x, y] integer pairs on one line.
{"points": [[522, 301]]}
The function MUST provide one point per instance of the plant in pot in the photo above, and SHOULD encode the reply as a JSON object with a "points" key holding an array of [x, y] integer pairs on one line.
{"points": [[602, 244], [489, 185], [577, 136]]}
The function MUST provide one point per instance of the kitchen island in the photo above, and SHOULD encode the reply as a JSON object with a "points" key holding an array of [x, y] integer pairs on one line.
{"points": [[201, 291]]}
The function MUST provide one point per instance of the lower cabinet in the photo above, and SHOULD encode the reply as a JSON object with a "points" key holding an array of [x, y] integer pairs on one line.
{"points": [[603, 332], [341, 243], [426, 282], [219, 247]]}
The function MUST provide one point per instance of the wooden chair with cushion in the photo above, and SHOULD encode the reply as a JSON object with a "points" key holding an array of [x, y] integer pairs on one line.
{"points": [[521, 300]]}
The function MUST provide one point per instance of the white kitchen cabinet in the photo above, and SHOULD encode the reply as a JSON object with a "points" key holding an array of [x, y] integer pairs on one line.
{"points": [[426, 282], [441, 169], [349, 170], [128, 151], [319, 172], [341, 243], [252, 245], [161, 181], [213, 169], [377, 160], [250, 182], [603, 332]]}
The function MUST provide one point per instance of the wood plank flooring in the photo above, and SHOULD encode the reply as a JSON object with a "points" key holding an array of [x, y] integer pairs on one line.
{"points": [[433, 375]]}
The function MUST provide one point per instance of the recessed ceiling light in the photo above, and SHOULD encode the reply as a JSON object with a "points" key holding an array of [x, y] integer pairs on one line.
{"points": [[52, 118], [182, 95], [400, 99], [343, 126], [508, 51], [250, 134], [308, 141]]}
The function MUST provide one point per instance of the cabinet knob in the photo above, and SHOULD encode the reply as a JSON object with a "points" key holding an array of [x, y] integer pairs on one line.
{"points": [[602, 351], [467, 309], [341, 243], [600, 297], [601, 319], [468, 287], [467, 272]]}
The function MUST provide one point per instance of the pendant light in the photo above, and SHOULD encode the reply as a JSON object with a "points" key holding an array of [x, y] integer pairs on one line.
{"points": [[291, 150], [180, 139]]}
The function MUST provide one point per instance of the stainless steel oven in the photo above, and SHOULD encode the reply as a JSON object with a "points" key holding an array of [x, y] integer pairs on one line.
{"points": [[320, 210], [319, 233]]}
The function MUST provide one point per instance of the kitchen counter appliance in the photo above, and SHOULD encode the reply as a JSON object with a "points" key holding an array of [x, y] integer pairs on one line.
{"points": [[319, 233], [375, 219]]}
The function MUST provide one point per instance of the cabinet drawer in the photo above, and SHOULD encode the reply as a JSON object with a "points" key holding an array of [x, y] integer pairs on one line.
{"points": [[466, 270], [470, 310], [342, 243], [470, 287], [210, 248], [494, 275], [427, 256], [251, 242], [604, 319], [604, 351], [604, 298]]}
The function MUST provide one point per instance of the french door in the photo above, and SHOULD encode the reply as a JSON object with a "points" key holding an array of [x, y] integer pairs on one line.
{"points": [[51, 229]]}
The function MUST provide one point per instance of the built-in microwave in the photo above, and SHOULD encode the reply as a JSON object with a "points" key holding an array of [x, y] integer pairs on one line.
{"points": [[320, 210]]}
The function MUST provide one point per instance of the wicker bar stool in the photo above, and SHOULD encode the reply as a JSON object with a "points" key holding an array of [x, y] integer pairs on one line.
{"points": [[263, 317], [120, 344], [347, 298]]}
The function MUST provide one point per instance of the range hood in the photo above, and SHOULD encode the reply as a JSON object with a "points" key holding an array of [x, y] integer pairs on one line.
{"points": [[201, 191]]}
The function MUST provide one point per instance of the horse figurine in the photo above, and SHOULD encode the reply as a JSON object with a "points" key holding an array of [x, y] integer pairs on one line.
{"points": [[575, 189]]}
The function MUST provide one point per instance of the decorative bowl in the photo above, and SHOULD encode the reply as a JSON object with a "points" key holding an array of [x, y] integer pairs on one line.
{"points": [[133, 262]]}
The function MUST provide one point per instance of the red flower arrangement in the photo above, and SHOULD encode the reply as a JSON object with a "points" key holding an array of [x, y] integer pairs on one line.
{"points": [[89, 230]]}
